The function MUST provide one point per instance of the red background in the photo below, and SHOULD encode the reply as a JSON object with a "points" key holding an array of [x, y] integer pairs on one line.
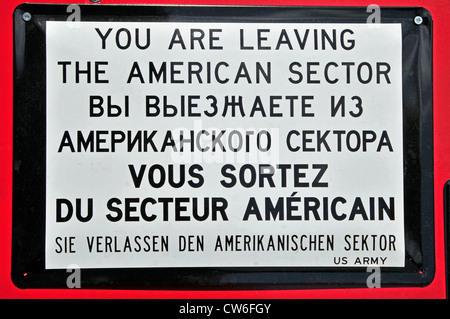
{"points": [[440, 12]]}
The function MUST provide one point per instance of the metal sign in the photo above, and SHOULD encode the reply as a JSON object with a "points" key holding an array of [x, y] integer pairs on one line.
{"points": [[217, 147]]}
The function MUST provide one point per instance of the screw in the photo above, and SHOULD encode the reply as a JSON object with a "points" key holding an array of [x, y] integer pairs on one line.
{"points": [[26, 16], [418, 20]]}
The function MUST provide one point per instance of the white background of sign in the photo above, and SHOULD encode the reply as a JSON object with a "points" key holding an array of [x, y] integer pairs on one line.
{"points": [[104, 175]]}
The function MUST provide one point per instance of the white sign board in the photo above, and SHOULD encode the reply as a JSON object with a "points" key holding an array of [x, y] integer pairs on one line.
{"points": [[224, 144]]}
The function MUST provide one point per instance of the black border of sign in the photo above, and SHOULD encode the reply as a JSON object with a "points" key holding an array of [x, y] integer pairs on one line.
{"points": [[447, 236], [29, 155]]}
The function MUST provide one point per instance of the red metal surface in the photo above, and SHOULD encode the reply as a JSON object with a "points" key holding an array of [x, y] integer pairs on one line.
{"points": [[436, 290]]}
